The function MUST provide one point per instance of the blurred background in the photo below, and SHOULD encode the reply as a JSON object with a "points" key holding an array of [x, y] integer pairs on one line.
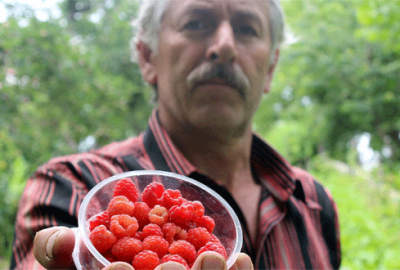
{"points": [[67, 85]]}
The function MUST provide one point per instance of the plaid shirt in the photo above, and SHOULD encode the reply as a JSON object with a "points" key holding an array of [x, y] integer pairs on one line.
{"points": [[298, 225]]}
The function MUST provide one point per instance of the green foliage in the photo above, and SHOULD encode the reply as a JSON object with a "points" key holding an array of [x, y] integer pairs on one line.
{"points": [[346, 63], [13, 174], [60, 75], [368, 214]]}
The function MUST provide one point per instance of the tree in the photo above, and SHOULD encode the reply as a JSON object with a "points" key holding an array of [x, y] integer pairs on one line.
{"points": [[345, 63]]}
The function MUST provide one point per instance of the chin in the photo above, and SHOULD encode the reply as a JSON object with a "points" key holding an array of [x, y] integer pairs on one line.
{"points": [[221, 125]]}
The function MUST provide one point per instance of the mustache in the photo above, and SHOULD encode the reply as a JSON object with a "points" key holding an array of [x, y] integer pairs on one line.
{"points": [[232, 75]]}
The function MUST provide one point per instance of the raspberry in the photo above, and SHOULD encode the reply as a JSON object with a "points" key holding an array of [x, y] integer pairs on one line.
{"points": [[213, 246], [141, 213], [126, 248], [182, 215], [198, 209], [139, 235], [102, 239], [184, 249], [170, 198], [127, 188], [206, 222], [172, 232], [152, 193], [157, 244], [175, 258], [151, 229], [99, 219], [164, 225], [123, 225], [198, 237], [214, 239], [145, 260], [158, 215], [120, 205], [111, 258]]}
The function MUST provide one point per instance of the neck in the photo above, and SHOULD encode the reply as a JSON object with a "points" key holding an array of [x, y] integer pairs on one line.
{"points": [[222, 157]]}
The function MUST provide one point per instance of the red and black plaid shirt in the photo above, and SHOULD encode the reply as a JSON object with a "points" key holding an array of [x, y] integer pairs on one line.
{"points": [[298, 226]]}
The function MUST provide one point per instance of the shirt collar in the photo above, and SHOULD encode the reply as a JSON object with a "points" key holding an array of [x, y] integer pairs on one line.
{"points": [[274, 172]]}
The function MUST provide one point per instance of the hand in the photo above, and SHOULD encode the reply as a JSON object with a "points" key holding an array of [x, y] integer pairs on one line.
{"points": [[211, 260], [53, 249]]}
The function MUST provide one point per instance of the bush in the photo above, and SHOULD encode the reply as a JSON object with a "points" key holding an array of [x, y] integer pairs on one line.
{"points": [[13, 173], [368, 215]]}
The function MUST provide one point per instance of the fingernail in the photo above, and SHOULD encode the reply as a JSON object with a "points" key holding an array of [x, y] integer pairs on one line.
{"points": [[173, 266], [212, 263], [50, 244], [120, 267], [244, 264]]}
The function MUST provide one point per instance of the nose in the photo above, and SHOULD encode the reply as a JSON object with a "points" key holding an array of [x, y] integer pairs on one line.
{"points": [[222, 48]]}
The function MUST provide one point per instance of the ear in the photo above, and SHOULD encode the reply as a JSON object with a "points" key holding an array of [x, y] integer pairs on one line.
{"points": [[270, 73], [146, 64]]}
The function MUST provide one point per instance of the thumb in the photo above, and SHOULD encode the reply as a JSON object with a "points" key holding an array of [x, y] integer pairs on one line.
{"points": [[243, 262], [53, 247]]}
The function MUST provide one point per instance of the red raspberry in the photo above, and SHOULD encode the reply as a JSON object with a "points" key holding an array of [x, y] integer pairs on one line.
{"points": [[126, 248], [145, 260], [198, 237], [184, 249], [120, 205], [141, 213], [175, 258], [123, 225], [206, 222], [170, 198], [102, 239], [182, 215], [152, 193], [127, 188], [139, 235], [158, 215], [157, 244], [172, 232], [198, 209], [111, 258], [151, 229], [213, 246], [215, 239], [99, 219]]}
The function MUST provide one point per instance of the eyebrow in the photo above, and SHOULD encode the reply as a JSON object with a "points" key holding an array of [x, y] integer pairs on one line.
{"points": [[248, 16], [239, 14]]}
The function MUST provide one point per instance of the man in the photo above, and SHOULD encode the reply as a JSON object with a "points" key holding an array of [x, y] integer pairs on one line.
{"points": [[210, 62]]}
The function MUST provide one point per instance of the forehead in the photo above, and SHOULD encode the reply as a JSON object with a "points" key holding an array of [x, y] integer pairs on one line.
{"points": [[250, 8]]}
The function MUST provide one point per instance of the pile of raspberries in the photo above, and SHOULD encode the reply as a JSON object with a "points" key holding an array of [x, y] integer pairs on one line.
{"points": [[162, 227]]}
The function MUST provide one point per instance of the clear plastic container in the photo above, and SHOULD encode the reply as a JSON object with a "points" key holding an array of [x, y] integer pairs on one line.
{"points": [[227, 225]]}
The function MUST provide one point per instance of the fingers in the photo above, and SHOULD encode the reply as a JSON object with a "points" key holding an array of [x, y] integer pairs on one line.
{"points": [[170, 266], [243, 262], [119, 266], [53, 248], [210, 260]]}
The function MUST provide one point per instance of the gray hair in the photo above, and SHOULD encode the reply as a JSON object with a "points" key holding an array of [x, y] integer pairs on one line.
{"points": [[148, 23]]}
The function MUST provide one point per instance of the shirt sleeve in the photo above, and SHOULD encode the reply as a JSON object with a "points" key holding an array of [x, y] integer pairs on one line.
{"points": [[52, 197]]}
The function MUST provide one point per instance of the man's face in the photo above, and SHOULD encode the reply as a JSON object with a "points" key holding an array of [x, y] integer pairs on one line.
{"points": [[213, 63]]}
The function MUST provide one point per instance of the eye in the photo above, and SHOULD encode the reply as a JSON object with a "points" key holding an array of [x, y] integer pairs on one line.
{"points": [[195, 25], [246, 30]]}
